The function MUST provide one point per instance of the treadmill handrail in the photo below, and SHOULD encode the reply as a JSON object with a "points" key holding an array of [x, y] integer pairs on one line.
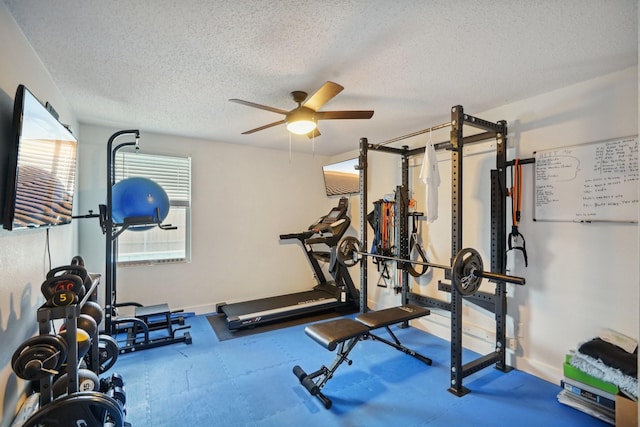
{"points": [[299, 236]]}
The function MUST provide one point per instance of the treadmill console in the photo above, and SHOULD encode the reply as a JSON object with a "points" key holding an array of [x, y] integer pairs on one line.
{"points": [[328, 228], [337, 213]]}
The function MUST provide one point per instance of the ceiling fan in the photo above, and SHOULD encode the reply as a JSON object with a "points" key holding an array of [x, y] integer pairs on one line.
{"points": [[304, 118]]}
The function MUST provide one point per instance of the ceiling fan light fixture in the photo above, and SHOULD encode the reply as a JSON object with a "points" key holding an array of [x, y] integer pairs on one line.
{"points": [[301, 127], [301, 121]]}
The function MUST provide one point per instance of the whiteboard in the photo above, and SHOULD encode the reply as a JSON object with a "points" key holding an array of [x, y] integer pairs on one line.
{"points": [[589, 182]]}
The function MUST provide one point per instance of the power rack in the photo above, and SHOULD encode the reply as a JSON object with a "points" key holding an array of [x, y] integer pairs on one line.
{"points": [[494, 302]]}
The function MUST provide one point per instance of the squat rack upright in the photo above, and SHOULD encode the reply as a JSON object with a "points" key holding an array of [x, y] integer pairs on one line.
{"points": [[494, 302], [146, 318]]}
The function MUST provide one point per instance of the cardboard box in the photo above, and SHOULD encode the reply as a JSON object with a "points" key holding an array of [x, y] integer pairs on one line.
{"points": [[626, 412]]}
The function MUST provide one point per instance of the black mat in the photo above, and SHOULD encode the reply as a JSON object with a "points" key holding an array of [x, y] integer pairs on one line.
{"points": [[218, 323]]}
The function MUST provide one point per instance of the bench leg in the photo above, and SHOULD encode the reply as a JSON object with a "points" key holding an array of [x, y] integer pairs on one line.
{"points": [[314, 381], [398, 345]]}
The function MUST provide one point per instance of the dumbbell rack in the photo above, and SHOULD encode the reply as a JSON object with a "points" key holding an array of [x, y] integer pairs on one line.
{"points": [[70, 315]]}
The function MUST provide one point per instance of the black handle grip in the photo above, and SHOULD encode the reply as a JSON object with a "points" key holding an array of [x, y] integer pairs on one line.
{"points": [[299, 372], [325, 400], [500, 277], [310, 386]]}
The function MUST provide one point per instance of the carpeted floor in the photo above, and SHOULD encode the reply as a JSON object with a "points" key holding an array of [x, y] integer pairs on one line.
{"points": [[248, 381]]}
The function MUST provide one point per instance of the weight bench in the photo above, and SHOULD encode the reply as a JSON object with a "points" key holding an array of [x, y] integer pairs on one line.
{"points": [[345, 333]]}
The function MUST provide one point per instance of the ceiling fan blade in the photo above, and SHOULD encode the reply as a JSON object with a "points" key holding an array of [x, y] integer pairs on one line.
{"points": [[279, 122], [262, 107], [323, 95], [314, 133], [334, 115]]}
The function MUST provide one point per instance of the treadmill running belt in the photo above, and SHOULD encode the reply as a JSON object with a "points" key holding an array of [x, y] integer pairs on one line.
{"points": [[252, 312]]}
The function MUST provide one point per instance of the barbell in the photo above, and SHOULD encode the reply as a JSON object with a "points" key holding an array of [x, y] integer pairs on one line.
{"points": [[467, 270]]}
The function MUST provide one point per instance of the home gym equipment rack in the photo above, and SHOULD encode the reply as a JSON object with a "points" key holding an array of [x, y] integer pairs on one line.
{"points": [[147, 318], [45, 315], [54, 362], [496, 302]]}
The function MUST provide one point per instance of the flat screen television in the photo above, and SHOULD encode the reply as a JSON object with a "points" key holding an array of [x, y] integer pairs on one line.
{"points": [[41, 167], [341, 178]]}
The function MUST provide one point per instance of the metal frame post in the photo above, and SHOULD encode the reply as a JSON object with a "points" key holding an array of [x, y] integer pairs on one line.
{"points": [[498, 239], [362, 167], [456, 244], [403, 224], [111, 247]]}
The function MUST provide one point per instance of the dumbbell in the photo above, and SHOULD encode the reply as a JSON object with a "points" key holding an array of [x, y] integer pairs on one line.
{"points": [[85, 322], [94, 310], [114, 388], [119, 394], [115, 380], [82, 338], [87, 381]]}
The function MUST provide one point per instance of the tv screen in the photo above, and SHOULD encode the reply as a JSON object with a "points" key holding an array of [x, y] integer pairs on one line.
{"points": [[41, 167], [341, 178]]}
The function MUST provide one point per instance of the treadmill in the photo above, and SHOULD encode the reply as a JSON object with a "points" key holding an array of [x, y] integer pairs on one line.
{"points": [[319, 243]]}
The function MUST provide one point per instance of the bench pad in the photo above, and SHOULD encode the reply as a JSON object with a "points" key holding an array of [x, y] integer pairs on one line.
{"points": [[330, 334], [391, 316]]}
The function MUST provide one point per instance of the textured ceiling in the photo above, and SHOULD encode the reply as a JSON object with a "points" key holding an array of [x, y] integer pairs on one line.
{"points": [[171, 66]]}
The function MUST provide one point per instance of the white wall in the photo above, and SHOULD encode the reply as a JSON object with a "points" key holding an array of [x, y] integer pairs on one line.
{"points": [[242, 199], [23, 261], [581, 277]]}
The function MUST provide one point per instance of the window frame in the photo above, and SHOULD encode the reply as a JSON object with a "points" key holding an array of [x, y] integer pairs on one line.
{"points": [[133, 163]]}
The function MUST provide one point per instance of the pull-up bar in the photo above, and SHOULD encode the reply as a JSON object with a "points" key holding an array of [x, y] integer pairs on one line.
{"points": [[411, 135]]}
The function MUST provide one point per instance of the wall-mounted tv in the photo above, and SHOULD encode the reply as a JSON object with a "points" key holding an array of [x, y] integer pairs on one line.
{"points": [[341, 178], [41, 167]]}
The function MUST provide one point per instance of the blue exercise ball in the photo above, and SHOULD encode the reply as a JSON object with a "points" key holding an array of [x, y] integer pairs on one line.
{"points": [[138, 197]]}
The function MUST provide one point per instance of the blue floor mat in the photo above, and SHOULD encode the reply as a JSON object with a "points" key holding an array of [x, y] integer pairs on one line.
{"points": [[249, 382]]}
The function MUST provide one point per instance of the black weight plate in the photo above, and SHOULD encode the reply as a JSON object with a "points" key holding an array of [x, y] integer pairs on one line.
{"points": [[85, 408], [48, 351], [36, 362], [347, 251], [465, 263], [107, 353]]}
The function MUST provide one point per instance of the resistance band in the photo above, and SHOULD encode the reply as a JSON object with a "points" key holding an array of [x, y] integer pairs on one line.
{"points": [[516, 206], [382, 220]]}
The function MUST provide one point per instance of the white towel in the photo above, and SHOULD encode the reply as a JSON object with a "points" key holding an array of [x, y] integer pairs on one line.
{"points": [[430, 176]]}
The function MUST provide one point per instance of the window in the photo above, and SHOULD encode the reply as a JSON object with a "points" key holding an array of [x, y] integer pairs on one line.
{"points": [[173, 174]]}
